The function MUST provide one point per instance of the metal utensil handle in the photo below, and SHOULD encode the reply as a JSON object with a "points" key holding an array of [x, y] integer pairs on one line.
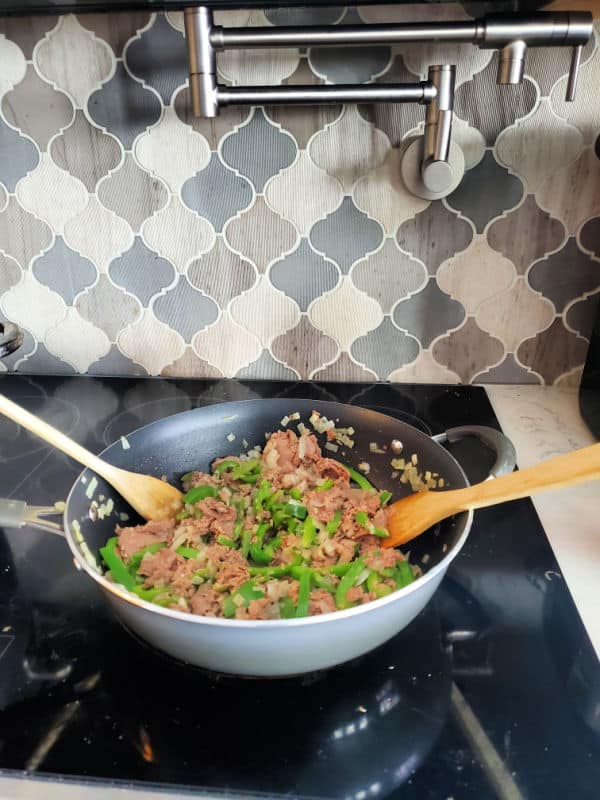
{"points": [[16, 514], [506, 455]]}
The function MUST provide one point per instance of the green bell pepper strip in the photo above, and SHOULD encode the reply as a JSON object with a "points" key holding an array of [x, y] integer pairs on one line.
{"points": [[265, 490], [337, 569], [228, 607], [309, 532], [333, 524], [304, 594], [358, 478], [246, 540], [321, 582], [224, 465], [287, 609], [296, 494], [187, 552], [183, 515], [136, 558], [226, 542], [261, 555], [375, 585], [295, 510], [148, 594], [362, 518], [269, 572], [246, 471], [322, 487], [381, 532], [247, 592], [199, 493], [404, 574], [347, 583], [116, 565], [384, 497]]}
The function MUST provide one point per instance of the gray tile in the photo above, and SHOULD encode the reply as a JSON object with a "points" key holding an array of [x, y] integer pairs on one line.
{"points": [[509, 371], [525, 234], [385, 349], [44, 363], [258, 150], [589, 236], [304, 348], [10, 273], [22, 235], [185, 309], [266, 368], [394, 119], [553, 352], [359, 65], [344, 369], [468, 351], [132, 193], [114, 27], [64, 271], [277, 235], [26, 31], [214, 129], [346, 235], [85, 151], [141, 271], [428, 314], [322, 15], [304, 275], [563, 276], [221, 273], [190, 365], [36, 108], [490, 107], [123, 107], [18, 156], [388, 275], [217, 193], [108, 308], [581, 316], [547, 64], [434, 235], [485, 192], [158, 58], [114, 363]]}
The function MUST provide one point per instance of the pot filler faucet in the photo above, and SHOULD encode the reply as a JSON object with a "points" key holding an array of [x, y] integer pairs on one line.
{"points": [[433, 166]]}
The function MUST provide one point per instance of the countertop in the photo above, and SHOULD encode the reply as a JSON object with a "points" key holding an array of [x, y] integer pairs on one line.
{"points": [[544, 422]]}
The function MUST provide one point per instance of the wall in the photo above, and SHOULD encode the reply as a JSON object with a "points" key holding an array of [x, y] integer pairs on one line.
{"points": [[280, 242]]}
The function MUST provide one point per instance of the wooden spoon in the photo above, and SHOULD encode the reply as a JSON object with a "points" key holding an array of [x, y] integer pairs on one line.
{"points": [[416, 513], [150, 497]]}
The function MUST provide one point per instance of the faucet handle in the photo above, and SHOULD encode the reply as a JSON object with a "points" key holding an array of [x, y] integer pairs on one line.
{"points": [[573, 73]]}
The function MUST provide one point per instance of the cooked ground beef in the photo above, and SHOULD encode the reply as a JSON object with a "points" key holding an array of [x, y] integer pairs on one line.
{"points": [[283, 535]]}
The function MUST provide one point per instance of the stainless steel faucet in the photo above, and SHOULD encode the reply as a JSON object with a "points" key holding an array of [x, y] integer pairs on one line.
{"points": [[511, 34], [11, 338]]}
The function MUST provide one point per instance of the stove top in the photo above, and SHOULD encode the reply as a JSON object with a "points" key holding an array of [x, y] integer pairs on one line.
{"points": [[492, 692]]}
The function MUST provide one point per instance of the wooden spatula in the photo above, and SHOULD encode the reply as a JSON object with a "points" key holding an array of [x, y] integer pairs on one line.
{"points": [[150, 497], [416, 513]]}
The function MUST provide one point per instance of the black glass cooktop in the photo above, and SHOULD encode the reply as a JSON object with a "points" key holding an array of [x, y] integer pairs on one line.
{"points": [[492, 692]]}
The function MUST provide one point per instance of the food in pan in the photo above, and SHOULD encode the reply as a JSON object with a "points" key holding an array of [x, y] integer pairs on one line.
{"points": [[282, 533]]}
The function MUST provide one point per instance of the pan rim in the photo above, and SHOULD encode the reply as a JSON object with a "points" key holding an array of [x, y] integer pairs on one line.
{"points": [[272, 624]]}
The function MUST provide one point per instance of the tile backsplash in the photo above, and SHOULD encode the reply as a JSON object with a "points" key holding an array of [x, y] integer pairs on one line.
{"points": [[280, 242]]}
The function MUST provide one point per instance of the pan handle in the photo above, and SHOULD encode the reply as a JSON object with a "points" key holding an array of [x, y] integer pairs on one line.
{"points": [[16, 514], [506, 455]]}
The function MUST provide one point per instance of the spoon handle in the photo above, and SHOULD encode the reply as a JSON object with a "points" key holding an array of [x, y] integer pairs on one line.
{"points": [[53, 436], [566, 470]]}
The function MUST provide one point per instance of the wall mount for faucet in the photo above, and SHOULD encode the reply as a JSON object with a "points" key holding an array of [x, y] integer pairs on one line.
{"points": [[510, 34]]}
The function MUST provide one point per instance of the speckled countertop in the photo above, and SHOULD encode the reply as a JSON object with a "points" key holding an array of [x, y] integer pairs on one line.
{"points": [[544, 422]]}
